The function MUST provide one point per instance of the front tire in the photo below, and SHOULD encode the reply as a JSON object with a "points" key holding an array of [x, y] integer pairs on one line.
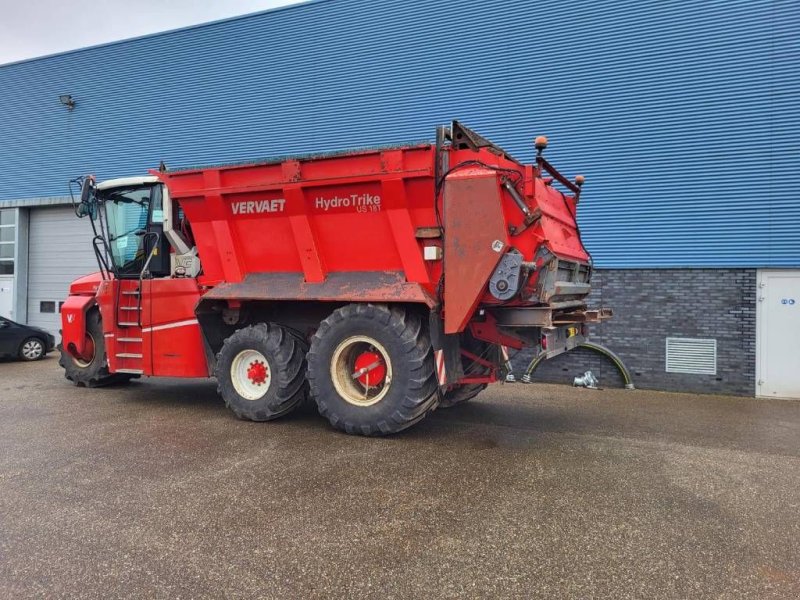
{"points": [[261, 372], [32, 349], [370, 369], [92, 373]]}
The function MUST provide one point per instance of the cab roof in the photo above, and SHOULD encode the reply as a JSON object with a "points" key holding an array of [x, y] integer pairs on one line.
{"points": [[126, 182]]}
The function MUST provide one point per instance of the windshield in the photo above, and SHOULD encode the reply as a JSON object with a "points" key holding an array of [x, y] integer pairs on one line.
{"points": [[126, 218]]}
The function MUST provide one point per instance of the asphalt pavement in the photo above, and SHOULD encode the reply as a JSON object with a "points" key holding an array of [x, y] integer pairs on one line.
{"points": [[155, 490]]}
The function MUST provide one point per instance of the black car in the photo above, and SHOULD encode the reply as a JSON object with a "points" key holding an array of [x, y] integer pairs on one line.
{"points": [[23, 341]]}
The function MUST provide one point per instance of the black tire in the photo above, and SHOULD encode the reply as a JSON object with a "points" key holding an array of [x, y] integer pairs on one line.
{"points": [[408, 392], [306, 404], [459, 394], [33, 348], [94, 373], [282, 358]]}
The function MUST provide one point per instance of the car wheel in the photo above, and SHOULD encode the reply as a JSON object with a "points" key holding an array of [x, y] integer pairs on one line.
{"points": [[32, 349]]}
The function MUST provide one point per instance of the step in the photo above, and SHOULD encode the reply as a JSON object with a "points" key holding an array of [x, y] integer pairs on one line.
{"points": [[130, 371], [127, 324], [128, 355], [130, 340]]}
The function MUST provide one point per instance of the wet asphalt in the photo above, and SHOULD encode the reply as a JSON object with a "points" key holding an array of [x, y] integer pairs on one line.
{"points": [[155, 490]]}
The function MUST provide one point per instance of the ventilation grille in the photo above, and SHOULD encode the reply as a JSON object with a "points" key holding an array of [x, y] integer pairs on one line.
{"points": [[692, 355]]}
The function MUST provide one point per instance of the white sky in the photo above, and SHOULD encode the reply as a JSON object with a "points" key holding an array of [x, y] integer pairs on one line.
{"points": [[30, 28]]}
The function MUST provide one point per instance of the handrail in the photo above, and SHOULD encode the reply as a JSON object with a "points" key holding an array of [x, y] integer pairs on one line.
{"points": [[101, 260], [144, 270]]}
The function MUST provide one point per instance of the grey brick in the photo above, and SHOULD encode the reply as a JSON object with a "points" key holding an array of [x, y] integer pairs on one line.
{"points": [[653, 304]]}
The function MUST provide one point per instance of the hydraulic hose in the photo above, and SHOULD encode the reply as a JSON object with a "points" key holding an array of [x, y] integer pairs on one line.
{"points": [[626, 375]]}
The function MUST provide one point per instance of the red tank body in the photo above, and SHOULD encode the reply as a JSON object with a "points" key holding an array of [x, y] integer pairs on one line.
{"points": [[354, 212], [482, 250]]}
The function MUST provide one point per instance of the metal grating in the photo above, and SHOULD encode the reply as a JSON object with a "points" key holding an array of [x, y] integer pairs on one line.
{"points": [[692, 355]]}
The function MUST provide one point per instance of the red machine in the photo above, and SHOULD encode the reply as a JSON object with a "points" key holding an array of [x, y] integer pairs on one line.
{"points": [[383, 282]]}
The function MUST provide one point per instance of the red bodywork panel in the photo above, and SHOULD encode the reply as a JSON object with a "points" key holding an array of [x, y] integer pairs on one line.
{"points": [[365, 286], [73, 325], [171, 343], [359, 212], [476, 236]]}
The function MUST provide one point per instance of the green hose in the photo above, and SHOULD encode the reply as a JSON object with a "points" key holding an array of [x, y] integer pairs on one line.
{"points": [[626, 375]]}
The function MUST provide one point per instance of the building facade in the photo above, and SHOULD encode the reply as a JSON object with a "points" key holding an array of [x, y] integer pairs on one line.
{"points": [[684, 117]]}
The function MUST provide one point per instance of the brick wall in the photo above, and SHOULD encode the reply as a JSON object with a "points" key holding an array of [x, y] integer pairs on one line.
{"points": [[651, 305]]}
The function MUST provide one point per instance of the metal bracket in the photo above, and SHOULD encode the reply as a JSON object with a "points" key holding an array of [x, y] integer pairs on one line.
{"points": [[505, 281], [463, 138]]}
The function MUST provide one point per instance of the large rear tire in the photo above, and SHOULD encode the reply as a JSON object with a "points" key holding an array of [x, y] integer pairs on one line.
{"points": [[92, 373], [261, 372], [370, 369], [458, 394]]}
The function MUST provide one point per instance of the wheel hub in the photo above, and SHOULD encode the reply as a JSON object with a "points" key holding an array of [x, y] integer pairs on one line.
{"points": [[370, 369], [89, 350], [257, 372]]}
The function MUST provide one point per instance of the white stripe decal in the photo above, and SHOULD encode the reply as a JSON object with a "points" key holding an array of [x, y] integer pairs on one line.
{"points": [[170, 325], [440, 368]]}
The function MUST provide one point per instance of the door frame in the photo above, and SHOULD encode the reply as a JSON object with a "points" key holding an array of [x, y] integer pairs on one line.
{"points": [[761, 307], [13, 296]]}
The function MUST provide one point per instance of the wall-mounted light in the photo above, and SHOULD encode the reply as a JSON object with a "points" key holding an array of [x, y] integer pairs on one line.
{"points": [[67, 101]]}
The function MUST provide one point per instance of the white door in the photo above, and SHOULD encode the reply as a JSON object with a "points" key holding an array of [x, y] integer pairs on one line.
{"points": [[6, 297], [778, 334]]}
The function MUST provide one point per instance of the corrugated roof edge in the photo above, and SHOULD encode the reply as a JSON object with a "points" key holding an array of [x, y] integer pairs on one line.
{"points": [[300, 4], [43, 201], [306, 156]]}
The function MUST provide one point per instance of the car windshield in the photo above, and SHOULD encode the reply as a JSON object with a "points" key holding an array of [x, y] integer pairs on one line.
{"points": [[126, 216]]}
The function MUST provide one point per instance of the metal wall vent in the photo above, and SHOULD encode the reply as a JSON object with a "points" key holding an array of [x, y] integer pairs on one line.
{"points": [[692, 355]]}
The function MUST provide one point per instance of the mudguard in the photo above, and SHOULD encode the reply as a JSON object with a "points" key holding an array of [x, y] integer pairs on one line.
{"points": [[73, 324]]}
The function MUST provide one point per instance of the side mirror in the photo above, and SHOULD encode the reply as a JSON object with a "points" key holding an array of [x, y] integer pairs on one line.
{"points": [[86, 206], [87, 188]]}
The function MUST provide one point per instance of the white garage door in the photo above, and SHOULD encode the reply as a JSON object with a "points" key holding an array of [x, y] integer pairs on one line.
{"points": [[59, 251]]}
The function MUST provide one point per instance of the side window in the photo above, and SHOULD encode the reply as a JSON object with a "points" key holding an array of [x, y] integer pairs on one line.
{"points": [[127, 211], [156, 206], [8, 224]]}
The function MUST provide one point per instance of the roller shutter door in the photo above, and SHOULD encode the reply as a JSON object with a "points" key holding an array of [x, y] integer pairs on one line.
{"points": [[59, 251]]}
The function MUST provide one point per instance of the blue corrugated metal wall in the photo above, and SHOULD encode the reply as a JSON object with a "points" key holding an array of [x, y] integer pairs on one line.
{"points": [[684, 115]]}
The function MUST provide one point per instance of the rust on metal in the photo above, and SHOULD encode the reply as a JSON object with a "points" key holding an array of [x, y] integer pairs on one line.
{"points": [[359, 286], [545, 316], [427, 233], [474, 242]]}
